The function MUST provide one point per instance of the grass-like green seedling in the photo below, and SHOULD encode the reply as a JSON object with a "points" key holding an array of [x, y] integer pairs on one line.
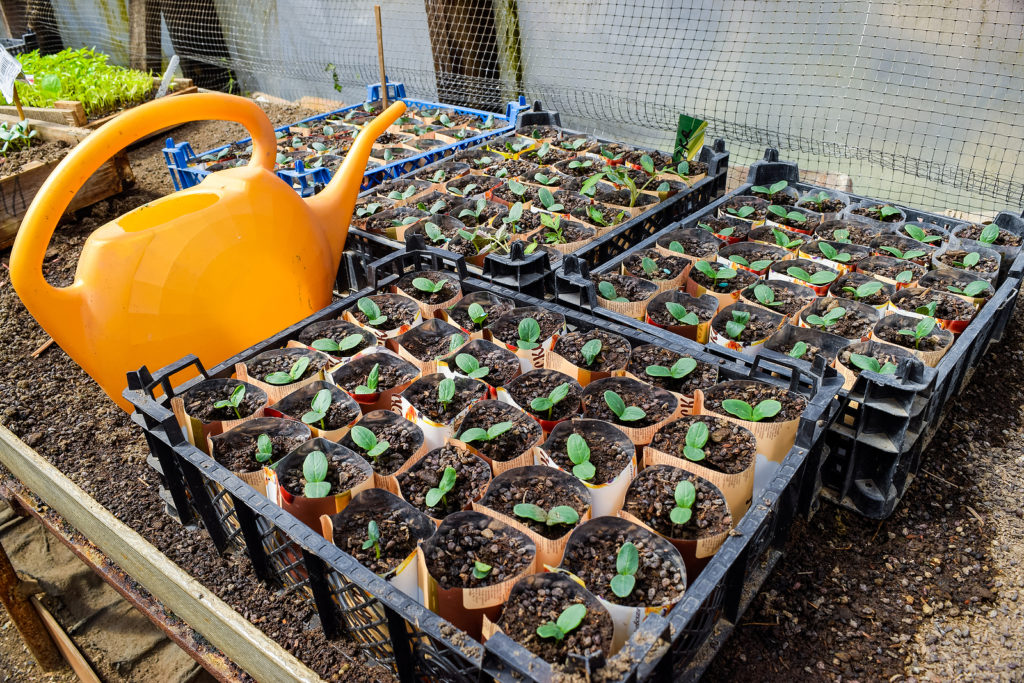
{"points": [[970, 260], [529, 334], [744, 411], [721, 232], [590, 351], [756, 266], [314, 471], [471, 366], [548, 201], [233, 401], [294, 373], [872, 365], [972, 289], [785, 214], [920, 331], [719, 278], [368, 209], [684, 497], [607, 290], [989, 234], [548, 403], [481, 570], [489, 434], [828, 320], [696, 438], [822, 277], [445, 392], [740, 319], [784, 240], [798, 350], [371, 381], [429, 286], [330, 346], [908, 255], [742, 212], [765, 296], [319, 406], [433, 232], [920, 235], [560, 514], [622, 411], [579, 455], [475, 212], [682, 316], [680, 369], [405, 194], [864, 290], [371, 310], [833, 254], [367, 440], [771, 190], [264, 448], [437, 494], [570, 618], [928, 308], [627, 562], [372, 538]]}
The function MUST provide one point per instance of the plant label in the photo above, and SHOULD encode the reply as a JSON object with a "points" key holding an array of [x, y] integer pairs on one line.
{"points": [[689, 138], [9, 70]]}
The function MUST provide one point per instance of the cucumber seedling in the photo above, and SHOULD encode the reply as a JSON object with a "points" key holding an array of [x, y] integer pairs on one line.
{"points": [[590, 351], [548, 403], [515, 214], [920, 331], [756, 266], [371, 381], [330, 346], [989, 234], [428, 286], [471, 366], [570, 618], [579, 455], [371, 310], [529, 334], [545, 179], [372, 538], [696, 438], [771, 190], [928, 308], [785, 214], [548, 201], [765, 296], [627, 562], [744, 411], [405, 194], [908, 255], [971, 289], [822, 277], [798, 350], [319, 406], [560, 514], [719, 278], [608, 291], [682, 316], [481, 570], [438, 493], [264, 448], [475, 212], [740, 319], [314, 471], [833, 254], [741, 212], [233, 401], [784, 240], [622, 411], [294, 373], [433, 232], [368, 209], [864, 290], [871, 364], [970, 260], [828, 320], [723, 232], [680, 369], [920, 235], [445, 392], [489, 434], [554, 233], [684, 496], [368, 441]]}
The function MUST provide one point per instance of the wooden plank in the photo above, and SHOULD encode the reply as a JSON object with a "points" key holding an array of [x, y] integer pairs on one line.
{"points": [[79, 664], [65, 116], [246, 645]]}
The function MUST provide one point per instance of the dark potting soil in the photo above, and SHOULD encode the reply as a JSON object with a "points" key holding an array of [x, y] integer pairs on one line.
{"points": [[449, 170], [610, 215], [873, 212], [610, 195], [702, 377], [696, 168], [454, 550], [528, 610], [631, 288], [198, 402], [758, 253], [340, 414], [853, 324], [523, 434], [760, 207], [382, 221], [945, 278], [240, 454], [809, 223], [399, 310], [397, 541], [656, 407], [586, 168], [502, 365], [659, 313], [539, 132], [726, 226], [855, 252], [614, 354], [493, 309], [448, 291], [903, 244], [389, 376], [400, 186], [934, 341], [758, 328], [514, 168], [955, 259], [503, 192], [691, 245], [543, 492], [949, 307], [730, 448], [659, 580], [423, 396], [857, 232], [880, 354], [282, 362], [548, 156], [855, 280], [571, 232], [433, 346], [528, 222], [336, 331], [609, 457], [650, 499], [889, 267], [482, 183], [554, 180], [1005, 239], [742, 279], [571, 200], [792, 403], [792, 301], [342, 474], [824, 206], [665, 267], [780, 198], [660, 159], [534, 384], [506, 328], [472, 477], [402, 443]]}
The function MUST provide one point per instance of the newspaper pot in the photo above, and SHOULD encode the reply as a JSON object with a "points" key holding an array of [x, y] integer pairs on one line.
{"points": [[751, 256], [491, 308], [404, 192], [892, 244], [610, 451], [783, 298], [820, 277], [424, 344], [967, 286], [591, 553], [985, 265], [835, 255], [692, 321], [546, 488], [1006, 242], [892, 271], [854, 325], [200, 419], [237, 448], [447, 581], [421, 404], [727, 229], [674, 372], [725, 287], [347, 474], [505, 332], [400, 313], [779, 194], [611, 399], [844, 230], [650, 500], [400, 526], [829, 203], [504, 450], [472, 185], [416, 286], [497, 365], [390, 222], [737, 208], [696, 244], [405, 446], [278, 364], [869, 211], [726, 459], [882, 352], [609, 355], [577, 236], [472, 474], [928, 233], [366, 208], [930, 348], [394, 376], [336, 338], [812, 343], [667, 272], [760, 324], [624, 294], [803, 221], [535, 385], [341, 413], [441, 172], [952, 312], [848, 286], [783, 238]]}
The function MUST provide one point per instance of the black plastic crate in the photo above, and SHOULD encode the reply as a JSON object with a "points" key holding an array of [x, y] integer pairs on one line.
{"points": [[885, 422], [394, 630]]}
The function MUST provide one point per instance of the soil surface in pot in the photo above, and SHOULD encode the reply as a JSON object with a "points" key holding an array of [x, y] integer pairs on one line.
{"points": [[948, 307], [432, 347], [586, 167], [829, 205], [402, 440], [934, 341], [760, 206], [955, 259], [742, 279], [454, 550], [382, 221], [389, 376], [545, 493], [240, 456], [808, 224], [489, 211], [901, 244], [342, 474], [514, 168], [853, 324], [523, 434], [873, 212], [726, 226], [655, 407], [282, 363], [880, 354], [660, 315], [811, 267], [506, 328], [336, 331], [530, 609], [472, 476], [502, 365], [494, 310], [614, 354], [758, 328], [702, 377], [503, 192], [855, 252], [340, 414], [571, 232], [536, 384], [447, 292], [397, 309], [855, 280], [665, 267], [628, 287], [479, 183], [572, 201], [790, 301], [609, 457], [1005, 238], [730, 448], [198, 403], [855, 232], [792, 403], [889, 267], [780, 198], [929, 230], [757, 253], [423, 396], [692, 246], [650, 499], [610, 215], [658, 580], [396, 538]]}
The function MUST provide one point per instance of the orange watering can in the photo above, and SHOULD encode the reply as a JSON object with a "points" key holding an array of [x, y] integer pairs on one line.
{"points": [[210, 270]]}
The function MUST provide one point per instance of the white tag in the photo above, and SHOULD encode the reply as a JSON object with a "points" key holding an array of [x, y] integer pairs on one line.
{"points": [[168, 75], [9, 70]]}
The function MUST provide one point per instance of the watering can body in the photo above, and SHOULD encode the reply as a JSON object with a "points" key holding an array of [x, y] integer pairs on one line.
{"points": [[210, 270]]}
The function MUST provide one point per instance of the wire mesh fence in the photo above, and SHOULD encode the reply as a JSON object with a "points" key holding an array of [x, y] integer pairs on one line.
{"points": [[916, 101]]}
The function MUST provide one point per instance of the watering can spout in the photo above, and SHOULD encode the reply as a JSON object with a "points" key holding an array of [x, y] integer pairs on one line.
{"points": [[333, 206]]}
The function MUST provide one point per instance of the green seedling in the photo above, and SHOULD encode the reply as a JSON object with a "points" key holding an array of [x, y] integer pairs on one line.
{"points": [[483, 161], [470, 238], [445, 121], [722, 275], [576, 163], [620, 176], [740, 319], [471, 366], [579, 455], [887, 211], [841, 236], [744, 411], [785, 214], [783, 239], [590, 351], [771, 190], [530, 248], [989, 234], [368, 209], [489, 434], [367, 440], [371, 310], [233, 401], [570, 618], [445, 392], [822, 277], [650, 267], [389, 154], [561, 514], [319, 406], [545, 179], [680, 369], [682, 316], [439, 176], [429, 286], [408, 220], [548, 403], [542, 151], [475, 212], [722, 232], [907, 255], [454, 342], [554, 233], [477, 313], [970, 260], [405, 194], [872, 365], [920, 331], [433, 232], [676, 246], [609, 154], [927, 309], [481, 570], [487, 123], [798, 350], [972, 289], [529, 334], [314, 471], [372, 538], [684, 497], [607, 291], [464, 191], [437, 207], [828, 320], [920, 235], [515, 214], [765, 296], [816, 200], [622, 411], [597, 216], [294, 373], [756, 266], [330, 346], [438, 494], [696, 438], [548, 200], [371, 381], [627, 562], [833, 254], [741, 212], [864, 290], [264, 448]]}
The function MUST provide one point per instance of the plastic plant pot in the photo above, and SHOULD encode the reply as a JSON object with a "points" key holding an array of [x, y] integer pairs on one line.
{"points": [[636, 408], [200, 418], [927, 233], [331, 423], [692, 320], [283, 367], [855, 324], [347, 474], [845, 230], [743, 327]]}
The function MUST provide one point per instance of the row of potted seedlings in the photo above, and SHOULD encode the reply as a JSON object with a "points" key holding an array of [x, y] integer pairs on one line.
{"points": [[855, 283], [509, 473]]}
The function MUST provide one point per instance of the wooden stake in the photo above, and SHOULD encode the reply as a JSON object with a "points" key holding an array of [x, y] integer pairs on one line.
{"points": [[17, 105], [380, 57]]}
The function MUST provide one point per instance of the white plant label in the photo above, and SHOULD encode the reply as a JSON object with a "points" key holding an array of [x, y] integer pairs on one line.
{"points": [[9, 70], [165, 83]]}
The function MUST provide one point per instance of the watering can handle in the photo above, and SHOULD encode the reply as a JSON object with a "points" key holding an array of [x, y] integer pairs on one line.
{"points": [[59, 188]]}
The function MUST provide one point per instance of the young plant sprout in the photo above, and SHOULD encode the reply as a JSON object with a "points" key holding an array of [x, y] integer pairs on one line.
{"points": [[920, 235], [621, 177], [621, 410], [294, 373], [744, 411], [371, 381], [785, 214], [798, 350], [833, 254], [437, 495], [437, 207], [481, 570], [554, 233], [372, 538], [516, 188], [842, 236], [972, 289], [548, 200], [548, 403], [864, 290], [816, 200], [264, 448], [470, 237], [481, 204], [595, 215], [627, 562], [680, 369], [679, 312], [765, 295], [756, 266], [438, 176], [771, 190], [529, 334], [515, 214], [742, 212], [561, 514], [970, 260], [233, 401], [607, 291], [477, 313], [371, 310], [368, 209], [574, 145], [885, 212], [409, 220], [590, 351], [724, 274], [330, 346], [544, 179], [827, 320], [989, 234], [579, 455], [740, 319], [489, 434], [454, 342], [872, 365], [405, 194], [367, 440], [822, 277], [570, 618], [696, 438], [471, 366], [684, 497], [576, 163], [904, 276], [922, 330], [445, 392], [784, 240], [724, 232], [676, 246], [433, 232], [927, 309], [429, 286], [319, 406], [907, 255], [388, 154], [314, 471]]}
